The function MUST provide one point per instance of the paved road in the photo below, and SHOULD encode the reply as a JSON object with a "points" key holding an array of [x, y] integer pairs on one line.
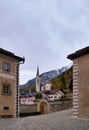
{"points": [[61, 120]]}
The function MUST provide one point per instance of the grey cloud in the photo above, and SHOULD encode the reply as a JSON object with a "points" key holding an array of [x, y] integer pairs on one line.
{"points": [[44, 31]]}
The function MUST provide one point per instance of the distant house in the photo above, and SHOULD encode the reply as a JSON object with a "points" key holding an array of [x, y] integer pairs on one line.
{"points": [[55, 95], [80, 82], [27, 100], [51, 95], [46, 87], [9, 83]]}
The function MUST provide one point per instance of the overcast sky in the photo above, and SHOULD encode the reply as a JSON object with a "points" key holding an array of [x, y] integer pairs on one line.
{"points": [[44, 31]]}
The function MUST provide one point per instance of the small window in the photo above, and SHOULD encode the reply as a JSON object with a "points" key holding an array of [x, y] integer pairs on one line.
{"points": [[6, 66], [6, 89], [6, 108]]}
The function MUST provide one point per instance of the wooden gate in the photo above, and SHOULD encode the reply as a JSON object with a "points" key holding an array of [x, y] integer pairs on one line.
{"points": [[42, 109], [43, 106]]}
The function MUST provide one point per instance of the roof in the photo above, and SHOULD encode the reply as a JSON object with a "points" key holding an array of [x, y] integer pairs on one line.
{"points": [[10, 54], [37, 70], [79, 53], [54, 91], [30, 94]]}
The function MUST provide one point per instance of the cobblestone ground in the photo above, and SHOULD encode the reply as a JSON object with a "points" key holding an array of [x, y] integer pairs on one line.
{"points": [[61, 120]]}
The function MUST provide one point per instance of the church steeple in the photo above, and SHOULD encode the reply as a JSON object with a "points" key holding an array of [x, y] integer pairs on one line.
{"points": [[37, 80], [37, 70]]}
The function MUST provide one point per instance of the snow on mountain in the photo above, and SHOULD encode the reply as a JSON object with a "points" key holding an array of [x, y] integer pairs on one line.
{"points": [[45, 77]]}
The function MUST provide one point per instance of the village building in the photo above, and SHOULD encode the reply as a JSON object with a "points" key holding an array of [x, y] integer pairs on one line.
{"points": [[80, 82], [9, 83], [27, 100], [55, 95], [46, 87]]}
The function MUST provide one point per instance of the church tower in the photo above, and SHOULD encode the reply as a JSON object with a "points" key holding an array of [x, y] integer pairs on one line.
{"points": [[37, 80]]}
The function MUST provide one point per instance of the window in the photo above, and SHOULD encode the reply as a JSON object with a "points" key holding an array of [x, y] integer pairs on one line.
{"points": [[6, 89], [6, 66], [6, 108]]}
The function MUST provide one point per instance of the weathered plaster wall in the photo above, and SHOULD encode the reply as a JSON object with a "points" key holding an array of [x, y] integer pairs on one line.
{"points": [[83, 86]]}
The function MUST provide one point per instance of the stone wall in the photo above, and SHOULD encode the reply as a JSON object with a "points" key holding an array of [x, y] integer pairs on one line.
{"points": [[28, 108], [53, 106], [57, 106]]}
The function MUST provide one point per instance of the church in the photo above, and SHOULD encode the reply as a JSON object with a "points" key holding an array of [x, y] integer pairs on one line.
{"points": [[37, 81]]}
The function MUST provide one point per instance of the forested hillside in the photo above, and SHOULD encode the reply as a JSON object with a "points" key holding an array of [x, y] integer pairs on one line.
{"points": [[63, 81]]}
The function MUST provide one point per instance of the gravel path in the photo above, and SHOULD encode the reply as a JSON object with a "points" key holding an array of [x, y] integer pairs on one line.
{"points": [[61, 120]]}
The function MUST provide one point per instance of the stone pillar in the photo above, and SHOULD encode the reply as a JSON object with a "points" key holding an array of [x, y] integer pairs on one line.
{"points": [[17, 90], [75, 88]]}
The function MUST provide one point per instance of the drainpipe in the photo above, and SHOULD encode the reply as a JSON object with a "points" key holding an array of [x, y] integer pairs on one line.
{"points": [[17, 86]]}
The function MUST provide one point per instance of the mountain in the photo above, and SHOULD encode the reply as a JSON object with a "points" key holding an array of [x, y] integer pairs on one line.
{"points": [[45, 77], [64, 80]]}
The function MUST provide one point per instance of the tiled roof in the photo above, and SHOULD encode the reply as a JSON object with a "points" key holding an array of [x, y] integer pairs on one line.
{"points": [[30, 94], [8, 53], [54, 91], [79, 53]]}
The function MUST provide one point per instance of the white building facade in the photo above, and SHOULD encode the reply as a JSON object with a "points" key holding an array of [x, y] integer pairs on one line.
{"points": [[46, 87], [56, 95]]}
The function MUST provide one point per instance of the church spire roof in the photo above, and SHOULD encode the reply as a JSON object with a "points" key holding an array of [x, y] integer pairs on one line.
{"points": [[37, 70], [37, 80]]}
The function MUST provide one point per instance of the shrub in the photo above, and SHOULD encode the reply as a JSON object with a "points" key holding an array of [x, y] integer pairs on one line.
{"points": [[38, 96], [25, 114]]}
